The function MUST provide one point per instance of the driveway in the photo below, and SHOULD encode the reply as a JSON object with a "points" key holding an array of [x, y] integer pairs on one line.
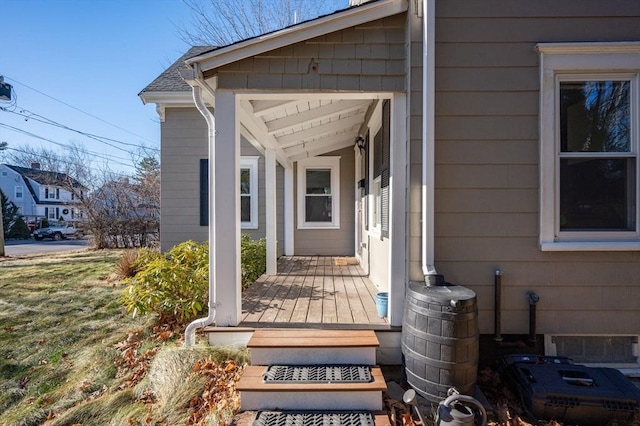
{"points": [[26, 247]]}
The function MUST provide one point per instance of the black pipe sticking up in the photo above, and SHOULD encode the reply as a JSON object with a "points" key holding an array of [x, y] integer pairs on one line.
{"points": [[498, 306], [533, 300]]}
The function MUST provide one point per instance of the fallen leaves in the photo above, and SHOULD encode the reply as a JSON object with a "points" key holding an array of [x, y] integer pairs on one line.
{"points": [[132, 364], [220, 392]]}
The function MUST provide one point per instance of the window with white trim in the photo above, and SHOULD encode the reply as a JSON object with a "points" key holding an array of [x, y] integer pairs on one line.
{"points": [[590, 161], [319, 193], [249, 192], [19, 192]]}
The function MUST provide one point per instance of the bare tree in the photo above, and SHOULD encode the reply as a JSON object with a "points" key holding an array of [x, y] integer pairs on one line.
{"points": [[222, 22]]}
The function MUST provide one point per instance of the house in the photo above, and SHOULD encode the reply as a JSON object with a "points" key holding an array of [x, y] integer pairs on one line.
{"points": [[455, 137], [42, 194]]}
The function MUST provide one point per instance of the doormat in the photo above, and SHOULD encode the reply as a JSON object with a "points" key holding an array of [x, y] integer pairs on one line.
{"points": [[345, 261]]}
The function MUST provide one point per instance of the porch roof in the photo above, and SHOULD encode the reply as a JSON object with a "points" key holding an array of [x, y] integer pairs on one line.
{"points": [[299, 125]]}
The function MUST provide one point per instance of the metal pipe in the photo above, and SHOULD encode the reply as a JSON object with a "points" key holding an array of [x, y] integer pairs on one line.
{"points": [[190, 331], [533, 300], [497, 308]]}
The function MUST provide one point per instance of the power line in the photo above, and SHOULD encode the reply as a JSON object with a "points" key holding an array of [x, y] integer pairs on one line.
{"points": [[30, 115], [78, 109], [33, 135], [60, 160]]}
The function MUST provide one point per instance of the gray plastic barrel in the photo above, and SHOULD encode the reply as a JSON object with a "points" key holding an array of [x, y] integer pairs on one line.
{"points": [[440, 339]]}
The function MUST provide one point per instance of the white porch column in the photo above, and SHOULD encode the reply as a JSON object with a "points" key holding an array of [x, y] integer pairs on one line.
{"points": [[270, 211], [227, 209], [398, 210], [289, 202]]}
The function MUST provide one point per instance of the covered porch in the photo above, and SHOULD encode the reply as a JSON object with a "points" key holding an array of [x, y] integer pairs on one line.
{"points": [[313, 291]]}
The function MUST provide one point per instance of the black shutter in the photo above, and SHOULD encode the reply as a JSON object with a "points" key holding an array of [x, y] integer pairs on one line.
{"points": [[46, 212], [57, 213], [204, 192], [46, 193], [366, 181], [385, 166], [57, 193]]}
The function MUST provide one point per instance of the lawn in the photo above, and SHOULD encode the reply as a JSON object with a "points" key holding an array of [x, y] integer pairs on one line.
{"points": [[70, 355]]}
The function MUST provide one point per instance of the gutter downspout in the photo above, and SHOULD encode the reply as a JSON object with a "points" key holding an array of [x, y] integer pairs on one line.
{"points": [[195, 79], [428, 136]]}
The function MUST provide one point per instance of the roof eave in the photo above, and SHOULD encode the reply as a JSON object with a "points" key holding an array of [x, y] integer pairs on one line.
{"points": [[348, 18], [167, 98]]}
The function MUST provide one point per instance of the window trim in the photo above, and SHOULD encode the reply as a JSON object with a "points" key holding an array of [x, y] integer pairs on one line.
{"points": [[251, 163], [321, 162], [21, 192], [566, 62]]}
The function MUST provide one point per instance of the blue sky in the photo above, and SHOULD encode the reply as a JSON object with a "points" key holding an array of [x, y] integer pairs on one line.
{"points": [[94, 55]]}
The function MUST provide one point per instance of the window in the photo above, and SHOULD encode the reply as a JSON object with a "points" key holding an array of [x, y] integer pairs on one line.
{"points": [[319, 193], [51, 193], [589, 146], [19, 192], [248, 192]]}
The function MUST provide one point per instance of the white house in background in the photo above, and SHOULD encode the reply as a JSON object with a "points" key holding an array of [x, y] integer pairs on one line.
{"points": [[41, 194], [456, 136]]}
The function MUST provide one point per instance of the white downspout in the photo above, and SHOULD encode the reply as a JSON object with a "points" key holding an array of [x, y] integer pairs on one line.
{"points": [[428, 136], [190, 331]]}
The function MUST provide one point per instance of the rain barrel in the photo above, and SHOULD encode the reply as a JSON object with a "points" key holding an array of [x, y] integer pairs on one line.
{"points": [[440, 339]]}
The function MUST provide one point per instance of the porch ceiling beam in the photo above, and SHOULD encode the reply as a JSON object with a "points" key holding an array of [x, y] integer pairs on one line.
{"points": [[367, 117], [322, 150], [258, 130], [313, 145], [322, 130], [263, 107], [316, 114]]}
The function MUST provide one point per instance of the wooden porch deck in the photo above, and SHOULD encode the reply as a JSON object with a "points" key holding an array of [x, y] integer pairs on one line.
{"points": [[313, 291]]}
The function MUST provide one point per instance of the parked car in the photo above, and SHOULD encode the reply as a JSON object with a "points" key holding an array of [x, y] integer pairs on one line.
{"points": [[57, 232]]}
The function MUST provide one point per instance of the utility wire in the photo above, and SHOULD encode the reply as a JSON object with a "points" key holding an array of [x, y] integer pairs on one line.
{"points": [[33, 135], [60, 160], [30, 115], [78, 109]]}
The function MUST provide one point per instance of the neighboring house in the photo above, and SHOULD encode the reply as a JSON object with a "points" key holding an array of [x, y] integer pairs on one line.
{"points": [[42, 194], [457, 137]]}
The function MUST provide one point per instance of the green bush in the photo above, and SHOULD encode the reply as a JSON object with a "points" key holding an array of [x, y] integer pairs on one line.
{"points": [[253, 259], [19, 229], [173, 285]]}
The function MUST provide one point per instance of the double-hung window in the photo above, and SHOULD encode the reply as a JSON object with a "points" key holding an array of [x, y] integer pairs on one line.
{"points": [[19, 192], [249, 192], [319, 193], [590, 147]]}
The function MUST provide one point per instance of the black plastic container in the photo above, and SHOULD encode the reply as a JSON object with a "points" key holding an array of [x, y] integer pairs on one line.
{"points": [[440, 339], [553, 388]]}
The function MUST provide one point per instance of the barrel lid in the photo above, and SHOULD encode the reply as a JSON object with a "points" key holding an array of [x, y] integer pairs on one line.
{"points": [[442, 294]]}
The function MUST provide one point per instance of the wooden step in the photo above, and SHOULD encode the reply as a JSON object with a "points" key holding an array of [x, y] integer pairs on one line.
{"points": [[311, 346], [255, 394]]}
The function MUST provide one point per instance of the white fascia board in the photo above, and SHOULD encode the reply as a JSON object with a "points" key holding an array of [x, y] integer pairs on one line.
{"points": [[587, 47], [167, 98], [285, 37]]}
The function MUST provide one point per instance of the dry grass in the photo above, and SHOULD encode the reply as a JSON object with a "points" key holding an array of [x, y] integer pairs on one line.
{"points": [[63, 337]]}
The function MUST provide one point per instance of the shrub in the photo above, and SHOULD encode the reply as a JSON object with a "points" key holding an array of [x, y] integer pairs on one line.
{"points": [[253, 259], [173, 285], [19, 229]]}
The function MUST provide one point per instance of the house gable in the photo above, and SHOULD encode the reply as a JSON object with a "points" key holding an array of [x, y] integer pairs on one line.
{"points": [[367, 57]]}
